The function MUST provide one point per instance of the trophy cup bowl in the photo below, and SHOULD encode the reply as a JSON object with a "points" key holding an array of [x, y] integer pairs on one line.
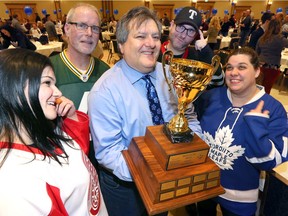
{"points": [[189, 79]]}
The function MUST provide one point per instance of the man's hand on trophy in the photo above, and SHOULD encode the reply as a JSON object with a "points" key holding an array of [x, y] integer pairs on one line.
{"points": [[201, 43]]}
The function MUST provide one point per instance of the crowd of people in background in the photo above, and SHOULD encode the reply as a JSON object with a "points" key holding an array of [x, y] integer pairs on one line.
{"points": [[268, 36], [46, 27], [242, 26]]}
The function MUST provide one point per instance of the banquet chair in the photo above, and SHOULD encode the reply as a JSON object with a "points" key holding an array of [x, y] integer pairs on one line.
{"points": [[217, 45], [116, 51], [104, 41], [44, 39], [223, 54], [234, 34], [263, 193], [112, 37], [54, 53], [164, 38], [166, 32], [283, 78], [234, 43]]}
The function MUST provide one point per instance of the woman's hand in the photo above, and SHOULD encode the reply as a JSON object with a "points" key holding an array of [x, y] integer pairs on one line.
{"points": [[259, 108], [65, 107]]}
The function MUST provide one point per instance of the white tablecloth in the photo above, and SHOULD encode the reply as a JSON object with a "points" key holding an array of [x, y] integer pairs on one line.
{"points": [[225, 42], [106, 35], [230, 31], [281, 172], [46, 49], [284, 59]]}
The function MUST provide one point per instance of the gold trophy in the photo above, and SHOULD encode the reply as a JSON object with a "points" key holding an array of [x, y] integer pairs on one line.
{"points": [[189, 79], [170, 176]]}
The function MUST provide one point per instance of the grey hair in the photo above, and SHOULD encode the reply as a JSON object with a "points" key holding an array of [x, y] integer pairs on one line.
{"points": [[71, 12], [139, 15]]}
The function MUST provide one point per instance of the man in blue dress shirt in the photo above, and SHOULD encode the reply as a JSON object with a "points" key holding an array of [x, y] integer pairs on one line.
{"points": [[119, 109]]}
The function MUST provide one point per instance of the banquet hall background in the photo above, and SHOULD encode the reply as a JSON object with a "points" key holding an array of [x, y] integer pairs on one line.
{"points": [[116, 8]]}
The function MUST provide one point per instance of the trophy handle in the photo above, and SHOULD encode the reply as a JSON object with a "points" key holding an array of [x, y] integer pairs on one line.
{"points": [[215, 62], [169, 57]]}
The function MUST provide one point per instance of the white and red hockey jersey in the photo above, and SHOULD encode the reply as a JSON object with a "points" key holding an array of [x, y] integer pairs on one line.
{"points": [[32, 186]]}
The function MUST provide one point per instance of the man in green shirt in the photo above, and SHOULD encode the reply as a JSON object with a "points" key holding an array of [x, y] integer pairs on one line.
{"points": [[75, 68]]}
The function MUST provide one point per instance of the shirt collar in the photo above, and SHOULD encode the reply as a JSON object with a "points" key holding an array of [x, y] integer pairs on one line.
{"points": [[256, 97], [133, 75]]}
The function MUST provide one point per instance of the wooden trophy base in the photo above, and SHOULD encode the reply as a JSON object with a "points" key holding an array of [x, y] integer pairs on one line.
{"points": [[175, 155], [161, 189]]}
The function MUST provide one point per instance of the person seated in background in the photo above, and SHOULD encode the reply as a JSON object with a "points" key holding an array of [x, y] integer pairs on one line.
{"points": [[183, 31], [225, 26], [104, 24], [37, 17], [232, 20], [248, 133], [119, 109], [213, 31], [35, 32], [59, 28], [44, 143], [112, 24], [41, 26], [204, 25], [27, 25], [18, 39]]}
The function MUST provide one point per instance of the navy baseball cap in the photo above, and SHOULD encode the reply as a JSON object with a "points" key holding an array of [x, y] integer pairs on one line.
{"points": [[190, 16]]}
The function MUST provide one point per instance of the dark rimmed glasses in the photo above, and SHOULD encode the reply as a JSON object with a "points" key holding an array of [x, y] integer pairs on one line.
{"points": [[190, 32], [83, 27]]}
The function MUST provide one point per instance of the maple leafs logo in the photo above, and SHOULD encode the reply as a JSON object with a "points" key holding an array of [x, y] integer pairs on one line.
{"points": [[221, 151]]}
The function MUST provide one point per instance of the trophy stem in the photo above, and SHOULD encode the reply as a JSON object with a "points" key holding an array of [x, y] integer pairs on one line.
{"points": [[177, 130], [178, 137]]}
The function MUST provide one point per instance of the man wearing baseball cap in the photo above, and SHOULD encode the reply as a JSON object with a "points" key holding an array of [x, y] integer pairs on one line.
{"points": [[183, 31]]}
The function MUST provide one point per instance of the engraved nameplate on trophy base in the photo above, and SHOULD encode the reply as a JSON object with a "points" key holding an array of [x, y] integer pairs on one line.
{"points": [[182, 183], [172, 156]]}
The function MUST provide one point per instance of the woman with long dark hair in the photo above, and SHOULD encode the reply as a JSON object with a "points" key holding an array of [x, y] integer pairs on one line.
{"points": [[44, 169], [15, 37], [269, 48]]}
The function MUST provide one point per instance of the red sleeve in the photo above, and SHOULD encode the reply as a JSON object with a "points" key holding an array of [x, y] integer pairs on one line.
{"points": [[78, 130]]}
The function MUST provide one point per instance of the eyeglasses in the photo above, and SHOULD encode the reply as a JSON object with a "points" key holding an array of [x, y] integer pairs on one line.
{"points": [[83, 27], [181, 29]]}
